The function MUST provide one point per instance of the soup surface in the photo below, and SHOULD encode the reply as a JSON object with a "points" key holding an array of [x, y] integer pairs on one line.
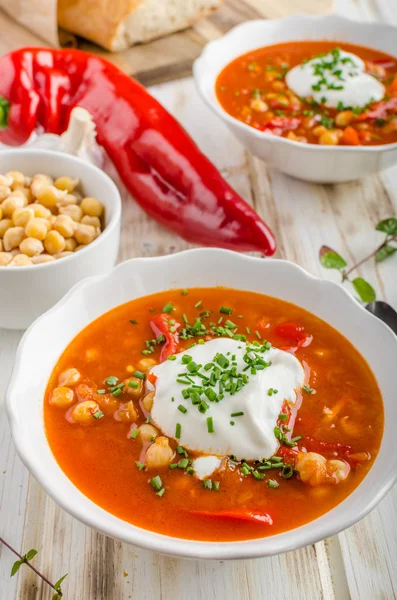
{"points": [[318, 92], [213, 414]]}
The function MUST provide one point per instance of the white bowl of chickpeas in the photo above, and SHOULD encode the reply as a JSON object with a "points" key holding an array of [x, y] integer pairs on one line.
{"points": [[59, 223]]}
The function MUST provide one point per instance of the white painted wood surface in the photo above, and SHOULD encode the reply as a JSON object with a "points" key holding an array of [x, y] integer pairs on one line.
{"points": [[361, 563]]}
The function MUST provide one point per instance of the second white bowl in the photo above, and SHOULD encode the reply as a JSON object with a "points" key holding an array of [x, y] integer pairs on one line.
{"points": [[311, 162], [28, 292]]}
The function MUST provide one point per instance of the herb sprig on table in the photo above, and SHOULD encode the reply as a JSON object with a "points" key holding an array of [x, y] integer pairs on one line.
{"points": [[330, 259], [25, 560]]}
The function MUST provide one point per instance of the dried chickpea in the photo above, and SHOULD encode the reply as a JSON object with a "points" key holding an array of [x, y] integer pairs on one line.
{"points": [[159, 453], [36, 228], [5, 224], [93, 221], [63, 397], [25, 191], [329, 138], [67, 200], [147, 433], [344, 118], [4, 180], [12, 203], [64, 225], [39, 181], [91, 207], [63, 254], [5, 258], [148, 401], [127, 413], [5, 191], [17, 178], [84, 412], [145, 364], [31, 247], [69, 377], [66, 183], [41, 211], [84, 234], [319, 130], [1, 213], [13, 237], [70, 245], [278, 86], [49, 196], [258, 105], [21, 216], [20, 260], [42, 258], [134, 386], [54, 243], [1, 245], [79, 247], [73, 211]]}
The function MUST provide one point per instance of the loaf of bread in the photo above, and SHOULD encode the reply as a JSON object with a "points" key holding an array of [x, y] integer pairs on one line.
{"points": [[118, 24]]}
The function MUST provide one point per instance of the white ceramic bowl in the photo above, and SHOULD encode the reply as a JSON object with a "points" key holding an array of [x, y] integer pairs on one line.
{"points": [[39, 350], [323, 164], [27, 292]]}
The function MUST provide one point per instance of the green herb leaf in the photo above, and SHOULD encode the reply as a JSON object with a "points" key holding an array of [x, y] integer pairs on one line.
{"points": [[331, 259], [385, 252], [388, 226], [58, 584], [16, 567], [169, 307], [31, 554], [364, 290]]}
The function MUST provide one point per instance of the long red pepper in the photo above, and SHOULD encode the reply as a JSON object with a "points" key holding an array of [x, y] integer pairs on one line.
{"points": [[157, 160]]}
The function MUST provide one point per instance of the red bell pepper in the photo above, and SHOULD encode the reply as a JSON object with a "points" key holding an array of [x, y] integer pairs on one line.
{"points": [[380, 110], [161, 326], [313, 445], [243, 515], [159, 163]]}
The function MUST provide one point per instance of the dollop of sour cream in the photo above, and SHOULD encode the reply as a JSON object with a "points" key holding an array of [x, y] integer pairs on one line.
{"points": [[243, 423], [336, 79]]}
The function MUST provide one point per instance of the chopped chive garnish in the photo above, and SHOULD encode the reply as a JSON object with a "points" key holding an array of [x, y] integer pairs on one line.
{"points": [[173, 466], [297, 438], [283, 417], [198, 304], [258, 335], [210, 425], [139, 375], [112, 380], [186, 359], [287, 471], [216, 485], [182, 409], [161, 492], [184, 292], [272, 392], [178, 430], [207, 484], [98, 414], [134, 322], [101, 391], [117, 392], [231, 422], [183, 463], [225, 310], [134, 434], [190, 471], [133, 384], [237, 414], [308, 389], [156, 483], [272, 483], [171, 357], [140, 465], [169, 307]]}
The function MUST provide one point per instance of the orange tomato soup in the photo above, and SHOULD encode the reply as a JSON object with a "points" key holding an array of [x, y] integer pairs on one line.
{"points": [[338, 416], [253, 89]]}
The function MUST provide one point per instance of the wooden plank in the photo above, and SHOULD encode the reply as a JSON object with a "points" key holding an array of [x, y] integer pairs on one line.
{"points": [[171, 57]]}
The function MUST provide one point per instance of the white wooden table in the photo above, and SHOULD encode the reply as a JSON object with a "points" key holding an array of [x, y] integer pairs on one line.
{"points": [[360, 563]]}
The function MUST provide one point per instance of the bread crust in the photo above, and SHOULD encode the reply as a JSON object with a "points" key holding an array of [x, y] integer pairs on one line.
{"points": [[104, 21]]}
